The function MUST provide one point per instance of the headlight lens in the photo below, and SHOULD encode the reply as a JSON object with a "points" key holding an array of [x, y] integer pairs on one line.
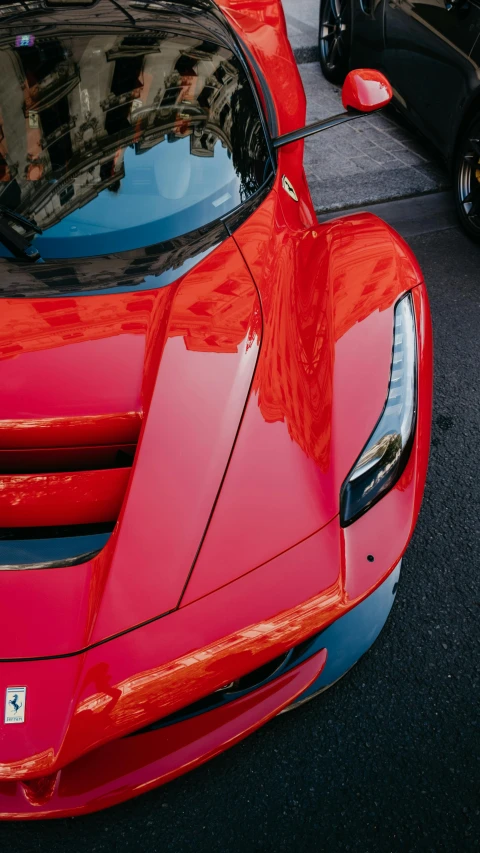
{"points": [[386, 453]]}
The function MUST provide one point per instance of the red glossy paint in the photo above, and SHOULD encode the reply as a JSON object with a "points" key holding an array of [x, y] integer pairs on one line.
{"points": [[171, 662], [161, 755], [332, 311], [253, 382], [79, 430], [75, 497], [205, 372], [72, 360], [366, 90], [202, 355], [260, 26]]}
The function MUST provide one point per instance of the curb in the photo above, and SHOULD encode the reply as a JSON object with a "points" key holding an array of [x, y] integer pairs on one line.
{"points": [[328, 212], [306, 54], [411, 216]]}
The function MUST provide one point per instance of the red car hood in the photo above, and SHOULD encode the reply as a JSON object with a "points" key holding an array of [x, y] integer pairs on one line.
{"points": [[163, 374]]}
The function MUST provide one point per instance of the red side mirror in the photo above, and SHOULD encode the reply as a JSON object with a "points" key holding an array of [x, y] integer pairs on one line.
{"points": [[366, 90]]}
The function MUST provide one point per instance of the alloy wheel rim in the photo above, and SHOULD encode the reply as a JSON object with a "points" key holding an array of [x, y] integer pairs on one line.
{"points": [[332, 33], [469, 183]]}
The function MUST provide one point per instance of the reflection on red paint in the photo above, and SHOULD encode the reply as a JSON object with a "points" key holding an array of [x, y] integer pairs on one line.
{"points": [[45, 500], [188, 360], [262, 25], [204, 374], [157, 671], [327, 296]]}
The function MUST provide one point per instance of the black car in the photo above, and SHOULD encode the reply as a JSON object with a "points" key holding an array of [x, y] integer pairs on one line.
{"points": [[430, 52]]}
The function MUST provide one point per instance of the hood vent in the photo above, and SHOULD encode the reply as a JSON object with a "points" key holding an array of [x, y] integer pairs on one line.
{"points": [[59, 505], [51, 547], [49, 460]]}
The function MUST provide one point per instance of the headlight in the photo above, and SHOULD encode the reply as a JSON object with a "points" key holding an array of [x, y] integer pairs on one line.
{"points": [[386, 453]]}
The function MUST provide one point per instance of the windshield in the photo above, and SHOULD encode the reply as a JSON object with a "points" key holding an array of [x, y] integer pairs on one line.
{"points": [[112, 142]]}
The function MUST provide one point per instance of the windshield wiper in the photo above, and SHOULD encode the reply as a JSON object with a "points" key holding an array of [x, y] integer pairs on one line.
{"points": [[18, 244], [23, 220]]}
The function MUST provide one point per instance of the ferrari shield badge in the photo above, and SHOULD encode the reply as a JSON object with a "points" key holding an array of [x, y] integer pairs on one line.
{"points": [[288, 187], [15, 704]]}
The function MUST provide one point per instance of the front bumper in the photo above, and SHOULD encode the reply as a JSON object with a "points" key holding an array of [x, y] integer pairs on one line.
{"points": [[128, 766]]}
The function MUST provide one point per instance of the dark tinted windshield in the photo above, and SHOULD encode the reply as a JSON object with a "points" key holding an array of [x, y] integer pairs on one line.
{"points": [[111, 142]]}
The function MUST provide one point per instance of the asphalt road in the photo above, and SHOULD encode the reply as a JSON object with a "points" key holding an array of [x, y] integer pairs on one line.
{"points": [[387, 760]]}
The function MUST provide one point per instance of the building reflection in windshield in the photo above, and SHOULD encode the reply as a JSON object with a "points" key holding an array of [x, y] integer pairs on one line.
{"points": [[72, 106]]}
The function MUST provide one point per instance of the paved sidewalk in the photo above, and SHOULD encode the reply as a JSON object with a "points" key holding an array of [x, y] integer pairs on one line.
{"points": [[302, 23], [365, 161]]}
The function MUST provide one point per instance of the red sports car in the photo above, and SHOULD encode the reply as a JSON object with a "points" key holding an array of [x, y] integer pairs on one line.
{"points": [[214, 412]]}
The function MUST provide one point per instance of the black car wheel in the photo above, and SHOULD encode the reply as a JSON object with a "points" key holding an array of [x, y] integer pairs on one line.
{"points": [[334, 38], [467, 179]]}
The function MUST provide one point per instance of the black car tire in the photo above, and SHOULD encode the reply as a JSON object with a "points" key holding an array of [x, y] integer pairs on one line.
{"points": [[467, 179], [334, 38]]}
